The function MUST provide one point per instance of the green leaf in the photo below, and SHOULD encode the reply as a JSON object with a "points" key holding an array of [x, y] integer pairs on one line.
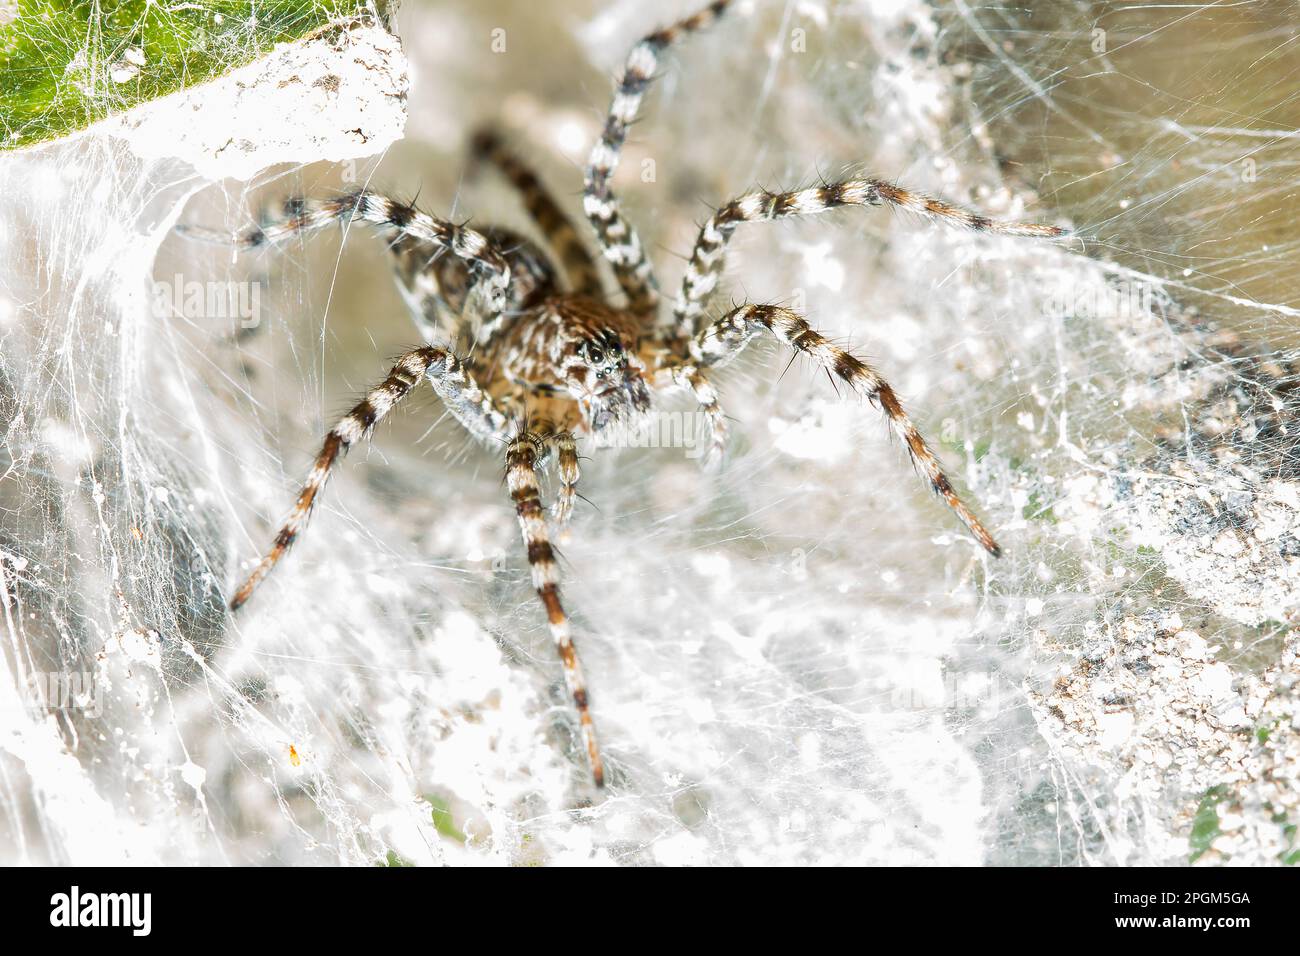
{"points": [[1205, 825], [65, 64], [442, 820]]}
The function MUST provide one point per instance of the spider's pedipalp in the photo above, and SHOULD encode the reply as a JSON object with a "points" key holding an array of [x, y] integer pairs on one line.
{"points": [[619, 242], [704, 267], [693, 380], [471, 406], [722, 339], [566, 448], [522, 456], [577, 265]]}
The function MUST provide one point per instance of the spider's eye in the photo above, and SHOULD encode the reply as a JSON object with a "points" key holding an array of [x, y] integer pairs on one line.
{"points": [[594, 355]]}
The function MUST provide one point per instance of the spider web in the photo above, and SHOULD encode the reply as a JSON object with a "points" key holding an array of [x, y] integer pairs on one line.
{"points": [[798, 660]]}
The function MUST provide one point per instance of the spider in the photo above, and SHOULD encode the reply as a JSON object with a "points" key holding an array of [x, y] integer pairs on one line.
{"points": [[529, 351]]}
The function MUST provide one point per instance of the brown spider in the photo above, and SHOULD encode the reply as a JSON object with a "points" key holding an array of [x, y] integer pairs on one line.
{"points": [[537, 356]]}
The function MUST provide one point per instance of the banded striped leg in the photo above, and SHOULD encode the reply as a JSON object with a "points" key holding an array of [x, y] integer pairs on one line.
{"points": [[619, 242], [522, 457], [724, 339], [487, 264], [576, 263], [567, 454], [461, 393], [705, 264]]}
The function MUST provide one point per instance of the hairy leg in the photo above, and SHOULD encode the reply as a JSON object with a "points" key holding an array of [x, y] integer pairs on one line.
{"points": [[619, 242], [522, 457], [723, 340], [576, 263], [486, 263], [705, 264], [463, 396]]}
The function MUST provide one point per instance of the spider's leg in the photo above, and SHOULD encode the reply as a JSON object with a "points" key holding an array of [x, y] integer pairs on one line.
{"points": [[576, 263], [469, 403], [619, 242], [522, 456], [402, 220], [723, 339], [705, 264], [417, 281], [566, 447]]}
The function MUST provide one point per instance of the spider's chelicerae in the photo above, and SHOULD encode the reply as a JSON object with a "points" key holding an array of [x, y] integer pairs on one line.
{"points": [[531, 354]]}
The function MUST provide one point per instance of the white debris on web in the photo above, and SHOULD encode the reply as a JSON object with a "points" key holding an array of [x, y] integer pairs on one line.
{"points": [[1200, 758], [337, 96], [1232, 542], [801, 659]]}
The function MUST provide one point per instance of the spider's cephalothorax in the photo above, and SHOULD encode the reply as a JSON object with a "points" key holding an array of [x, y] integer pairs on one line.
{"points": [[583, 349], [530, 353]]}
